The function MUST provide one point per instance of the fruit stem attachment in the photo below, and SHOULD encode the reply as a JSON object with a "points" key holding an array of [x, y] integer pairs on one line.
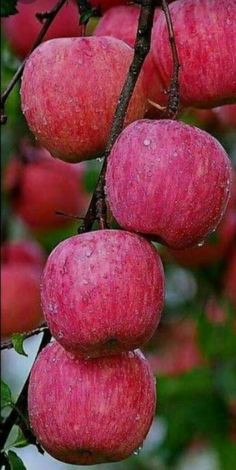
{"points": [[97, 208], [51, 15], [173, 92]]}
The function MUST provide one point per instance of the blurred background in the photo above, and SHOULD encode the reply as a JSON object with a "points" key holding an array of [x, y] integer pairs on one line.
{"points": [[193, 353]]}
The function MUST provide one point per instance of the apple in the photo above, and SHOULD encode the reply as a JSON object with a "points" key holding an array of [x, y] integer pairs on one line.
{"points": [[199, 27], [20, 296], [122, 23], [219, 243], [22, 251], [168, 180], [215, 313], [41, 185], [72, 116], [177, 350], [103, 292], [21, 38], [230, 279], [90, 411], [227, 115]]}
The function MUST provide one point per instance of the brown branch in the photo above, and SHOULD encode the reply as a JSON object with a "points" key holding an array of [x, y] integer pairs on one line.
{"points": [[37, 331], [173, 92], [97, 207], [50, 17]]}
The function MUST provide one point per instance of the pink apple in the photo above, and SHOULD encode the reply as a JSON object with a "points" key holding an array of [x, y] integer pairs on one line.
{"points": [[169, 180], [23, 28], [41, 186], [69, 102], [103, 292], [200, 26], [90, 411], [20, 298], [22, 251]]}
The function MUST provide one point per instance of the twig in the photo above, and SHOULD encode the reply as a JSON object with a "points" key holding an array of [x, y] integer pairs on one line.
{"points": [[37, 331], [50, 17], [97, 207], [173, 92], [21, 403]]}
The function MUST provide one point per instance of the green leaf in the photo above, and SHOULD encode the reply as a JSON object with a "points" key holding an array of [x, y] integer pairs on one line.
{"points": [[18, 344], [84, 18], [15, 461], [20, 441], [8, 7], [6, 398]]}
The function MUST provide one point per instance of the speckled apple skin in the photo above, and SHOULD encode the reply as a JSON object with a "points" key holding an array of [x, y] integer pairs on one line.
{"points": [[21, 38], [103, 292], [20, 298], [90, 411], [169, 180], [70, 90], [45, 185], [205, 32]]}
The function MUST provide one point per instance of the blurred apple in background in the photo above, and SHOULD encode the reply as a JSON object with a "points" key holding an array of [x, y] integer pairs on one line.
{"points": [[39, 185], [22, 29], [21, 269]]}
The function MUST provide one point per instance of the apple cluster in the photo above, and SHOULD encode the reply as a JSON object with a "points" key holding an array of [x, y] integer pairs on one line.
{"points": [[102, 292]]}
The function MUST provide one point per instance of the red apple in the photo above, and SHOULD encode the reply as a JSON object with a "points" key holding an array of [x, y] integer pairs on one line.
{"points": [[41, 186], [177, 349], [169, 180], [103, 292], [20, 297], [22, 251], [90, 411], [199, 27], [21, 38], [72, 117], [227, 115]]}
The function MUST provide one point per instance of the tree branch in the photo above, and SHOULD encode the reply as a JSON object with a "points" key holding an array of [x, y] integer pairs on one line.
{"points": [[51, 15], [173, 92], [97, 207]]}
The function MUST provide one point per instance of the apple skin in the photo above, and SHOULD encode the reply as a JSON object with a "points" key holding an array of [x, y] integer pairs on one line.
{"points": [[72, 117], [169, 180], [70, 399], [37, 189], [212, 250], [20, 297], [21, 39], [227, 115], [203, 81], [23, 251], [103, 292]]}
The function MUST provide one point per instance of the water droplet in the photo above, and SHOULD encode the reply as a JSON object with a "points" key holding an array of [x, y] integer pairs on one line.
{"points": [[147, 142], [60, 335], [138, 450], [70, 389], [88, 252], [201, 243]]}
